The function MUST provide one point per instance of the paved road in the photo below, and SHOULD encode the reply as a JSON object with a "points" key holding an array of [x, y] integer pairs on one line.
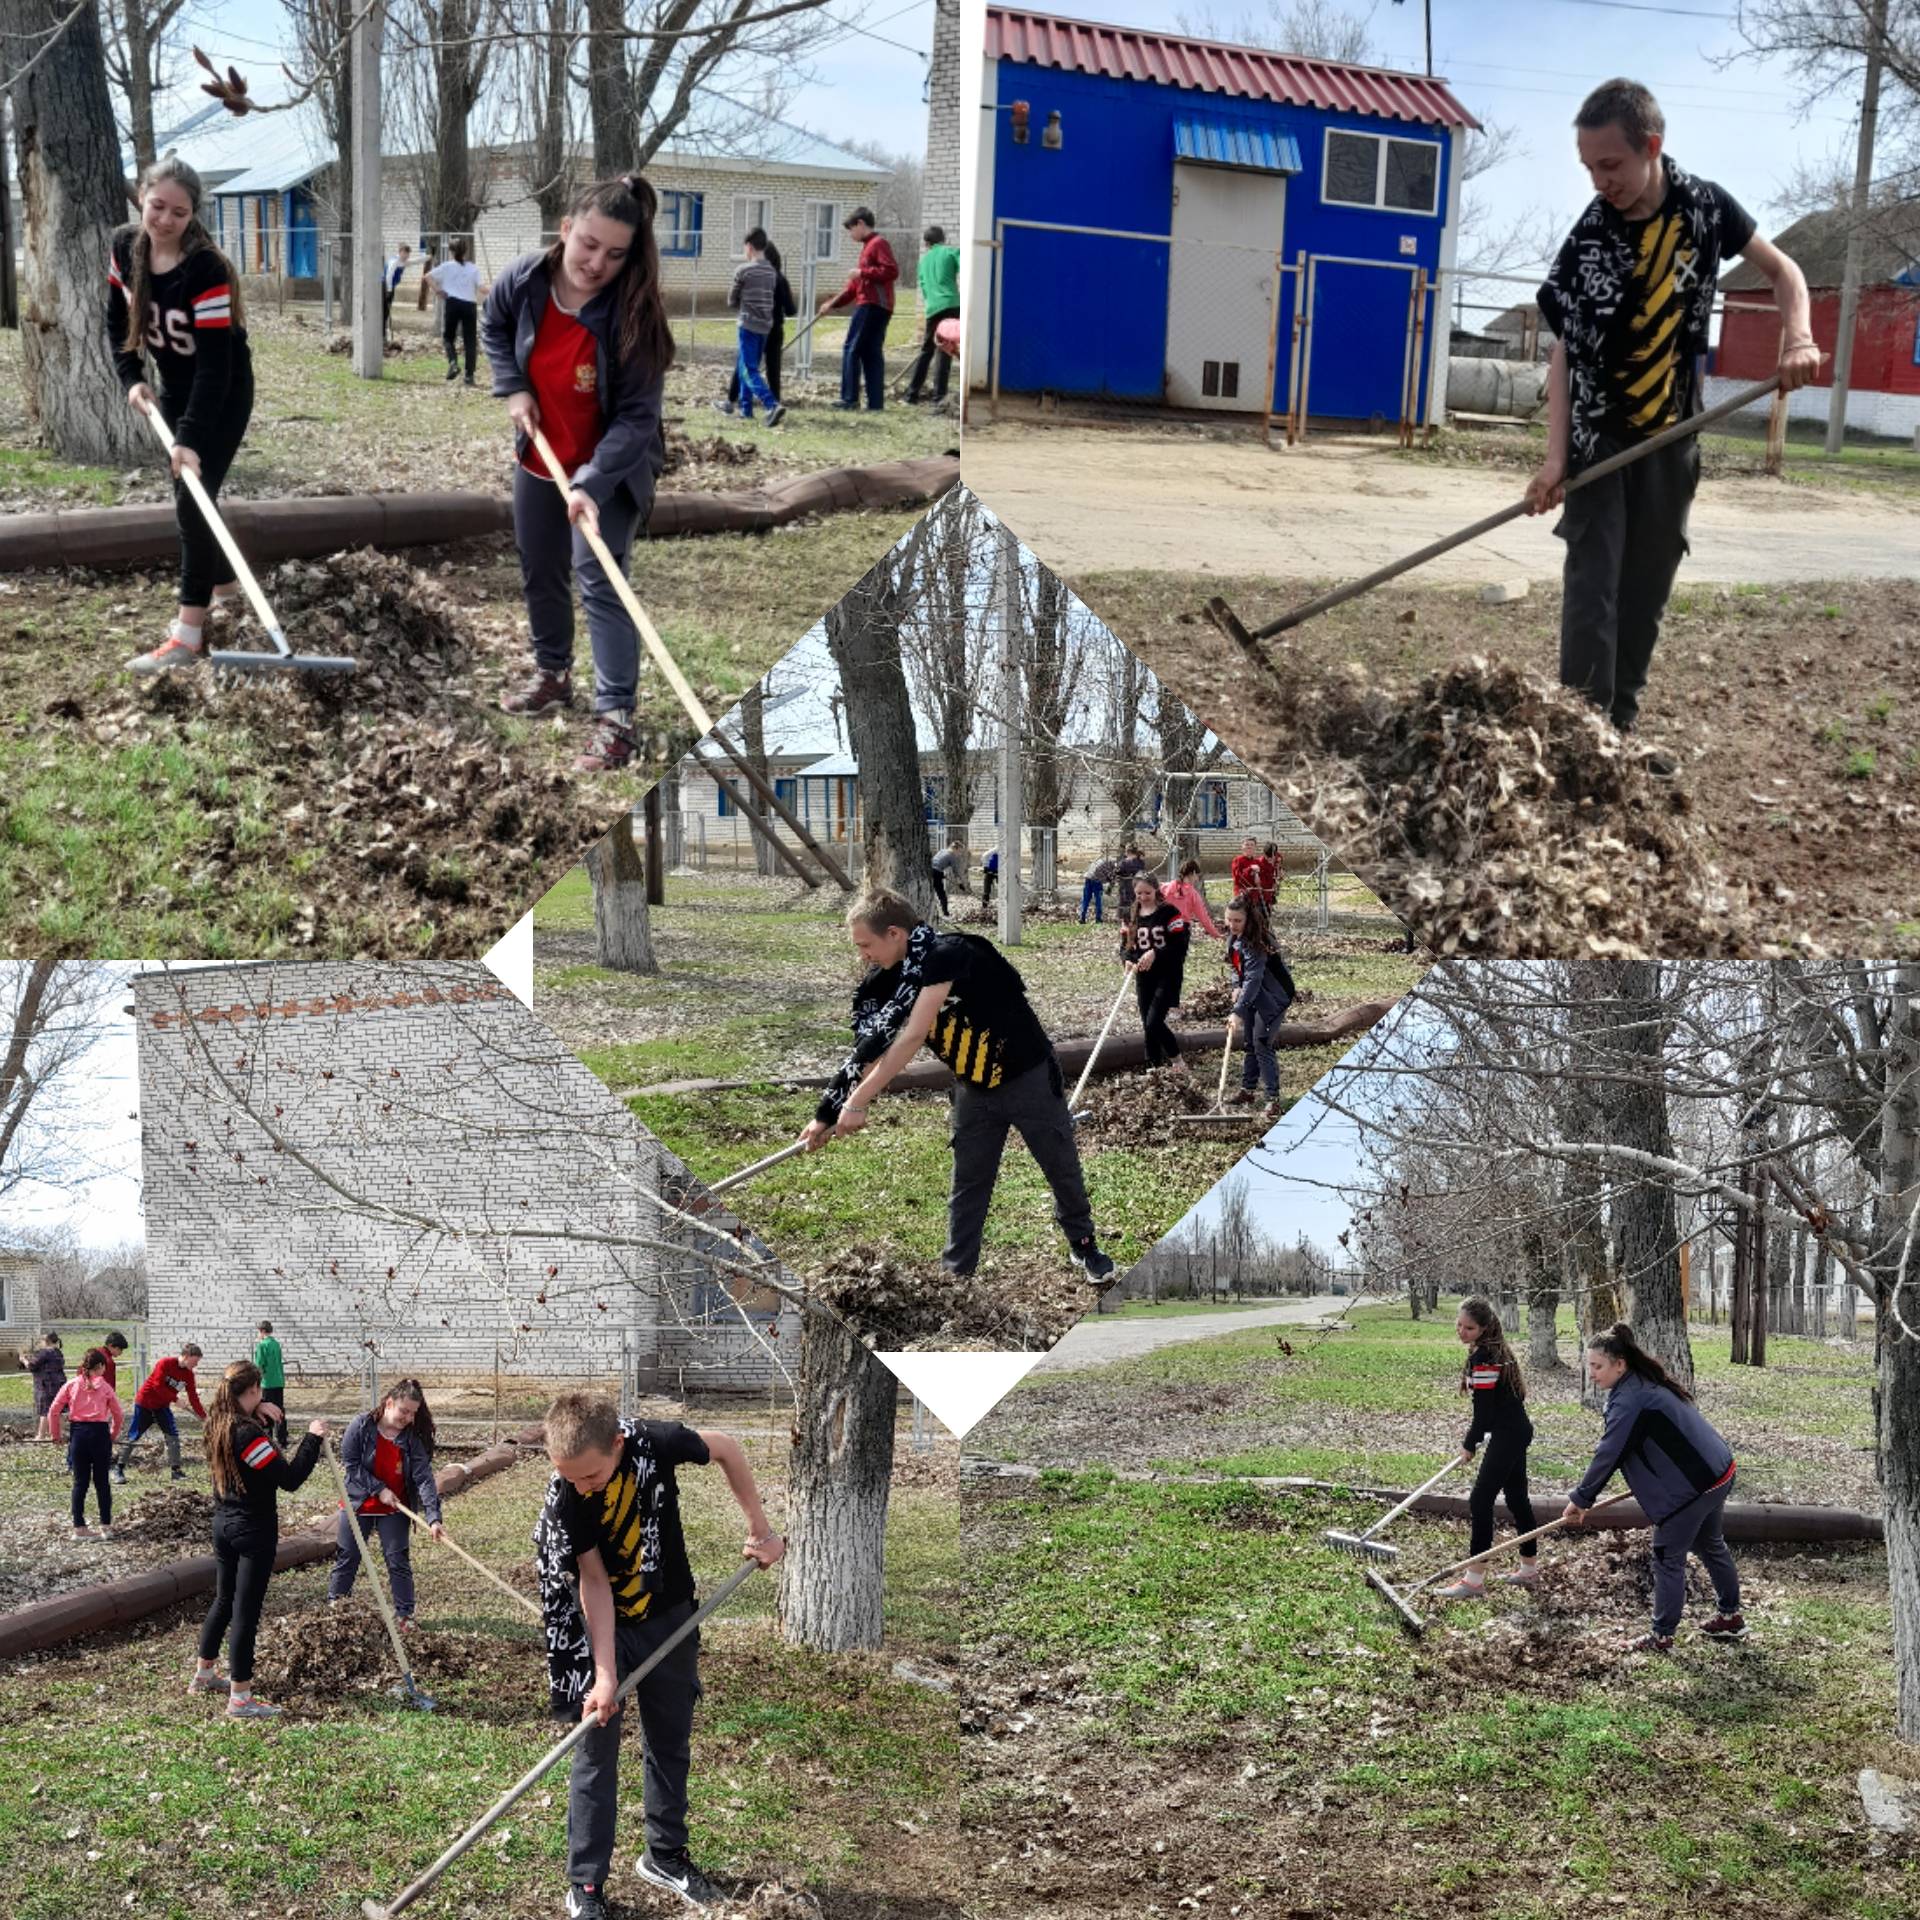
{"points": [[1094, 1342], [1092, 501]]}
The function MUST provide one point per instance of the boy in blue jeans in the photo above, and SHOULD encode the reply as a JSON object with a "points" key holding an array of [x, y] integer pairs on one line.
{"points": [[753, 296]]}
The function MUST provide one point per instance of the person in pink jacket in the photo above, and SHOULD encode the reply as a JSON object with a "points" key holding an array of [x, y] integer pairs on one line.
{"points": [[95, 1418], [1186, 895]]}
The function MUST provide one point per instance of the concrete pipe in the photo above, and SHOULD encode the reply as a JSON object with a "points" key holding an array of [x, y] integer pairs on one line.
{"points": [[1755, 1521], [117, 1603], [273, 530], [1506, 389]]}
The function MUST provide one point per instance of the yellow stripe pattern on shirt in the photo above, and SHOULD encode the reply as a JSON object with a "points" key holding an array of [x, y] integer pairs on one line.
{"points": [[970, 1051], [621, 1522], [1647, 382]]}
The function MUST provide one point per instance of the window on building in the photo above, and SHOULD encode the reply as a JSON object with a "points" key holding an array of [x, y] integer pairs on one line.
{"points": [[934, 790], [1381, 171], [1213, 804], [679, 224], [750, 210], [823, 225]]}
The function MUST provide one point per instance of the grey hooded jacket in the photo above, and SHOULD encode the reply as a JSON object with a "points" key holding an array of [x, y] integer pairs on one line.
{"points": [[1663, 1447]]}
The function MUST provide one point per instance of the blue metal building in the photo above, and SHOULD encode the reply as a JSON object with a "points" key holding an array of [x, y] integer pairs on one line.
{"points": [[1165, 206]]}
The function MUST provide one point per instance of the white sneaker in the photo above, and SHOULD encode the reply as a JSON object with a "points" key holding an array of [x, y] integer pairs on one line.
{"points": [[184, 646]]}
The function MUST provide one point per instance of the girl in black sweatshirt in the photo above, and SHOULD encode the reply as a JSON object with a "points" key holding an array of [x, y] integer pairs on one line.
{"points": [[1154, 938], [1492, 1376], [249, 1475], [172, 295]]}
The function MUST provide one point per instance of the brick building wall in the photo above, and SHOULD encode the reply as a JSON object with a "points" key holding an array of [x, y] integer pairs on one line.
{"points": [[940, 199], [487, 1168]]}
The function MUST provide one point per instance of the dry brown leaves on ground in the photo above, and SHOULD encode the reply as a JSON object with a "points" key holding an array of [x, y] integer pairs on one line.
{"points": [[336, 1653], [899, 1305], [1141, 1109]]}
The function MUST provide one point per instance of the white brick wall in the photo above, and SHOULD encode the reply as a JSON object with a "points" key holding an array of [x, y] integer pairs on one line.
{"points": [[940, 197], [1892, 416]]}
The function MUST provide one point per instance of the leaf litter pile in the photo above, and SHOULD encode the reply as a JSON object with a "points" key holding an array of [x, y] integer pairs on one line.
{"points": [[897, 1305], [336, 1654], [1140, 1109], [1495, 813]]}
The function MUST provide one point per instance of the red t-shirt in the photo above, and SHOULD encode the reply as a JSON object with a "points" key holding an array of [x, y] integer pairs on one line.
{"points": [[564, 372], [387, 1464], [1254, 876]]}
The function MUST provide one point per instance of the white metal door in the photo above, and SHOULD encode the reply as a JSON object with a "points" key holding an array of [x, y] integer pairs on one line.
{"points": [[1226, 231]]}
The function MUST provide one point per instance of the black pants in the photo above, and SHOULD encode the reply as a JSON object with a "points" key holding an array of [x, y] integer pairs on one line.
{"points": [[666, 1699], [864, 358], [461, 319], [1034, 1104], [1158, 992], [386, 311], [940, 890], [929, 353], [986, 886], [89, 1454], [769, 364], [1503, 1470], [244, 1554], [1626, 536], [202, 565]]}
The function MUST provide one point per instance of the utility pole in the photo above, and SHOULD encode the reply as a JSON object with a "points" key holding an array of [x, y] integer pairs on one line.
{"points": [[369, 258], [1013, 800], [9, 294], [1856, 232]]}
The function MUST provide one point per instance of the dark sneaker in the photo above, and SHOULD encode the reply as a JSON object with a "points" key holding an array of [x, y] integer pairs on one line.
{"points": [[179, 1473], [453, 370], [1660, 763], [1651, 1643], [678, 1874], [586, 1903], [119, 1476], [609, 750], [541, 694], [1726, 1626], [1091, 1261], [778, 414]]}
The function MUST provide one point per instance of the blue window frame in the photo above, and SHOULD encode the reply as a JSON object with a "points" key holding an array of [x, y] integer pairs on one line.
{"points": [[786, 788], [1213, 804], [679, 224]]}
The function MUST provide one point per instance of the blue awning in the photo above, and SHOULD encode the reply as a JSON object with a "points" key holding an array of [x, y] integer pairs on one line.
{"points": [[1233, 143]]}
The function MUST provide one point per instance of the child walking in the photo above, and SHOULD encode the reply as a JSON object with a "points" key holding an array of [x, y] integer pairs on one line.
{"points": [[92, 1407], [47, 1363], [1263, 991], [1185, 894], [172, 295], [1492, 1376], [384, 1452], [153, 1407], [1681, 1471], [579, 344], [755, 296], [273, 1377], [939, 301], [785, 306], [1253, 874], [615, 1582], [249, 1475], [457, 281], [391, 275], [1154, 938]]}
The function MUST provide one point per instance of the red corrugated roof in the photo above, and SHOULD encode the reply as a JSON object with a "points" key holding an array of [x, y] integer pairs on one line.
{"points": [[1208, 66]]}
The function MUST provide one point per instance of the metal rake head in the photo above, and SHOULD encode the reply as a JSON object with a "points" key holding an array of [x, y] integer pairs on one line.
{"points": [[1408, 1619], [1359, 1545], [408, 1689]]}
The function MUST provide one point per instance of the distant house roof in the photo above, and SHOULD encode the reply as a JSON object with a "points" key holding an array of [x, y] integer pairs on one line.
{"points": [[1516, 320], [1817, 244], [1209, 66]]}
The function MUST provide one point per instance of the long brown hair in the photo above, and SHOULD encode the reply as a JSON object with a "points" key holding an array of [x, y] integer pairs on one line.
{"points": [[645, 333], [1493, 1342], [422, 1421], [223, 1418], [193, 239], [1619, 1344], [1257, 934]]}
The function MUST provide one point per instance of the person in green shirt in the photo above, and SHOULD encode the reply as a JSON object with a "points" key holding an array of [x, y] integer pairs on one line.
{"points": [[273, 1379], [940, 299]]}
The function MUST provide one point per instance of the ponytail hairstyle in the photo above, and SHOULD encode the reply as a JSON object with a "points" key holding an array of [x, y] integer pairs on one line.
{"points": [[1618, 1343], [645, 335], [194, 238], [1493, 1343], [422, 1420], [1257, 934], [223, 1417], [457, 251], [94, 1357]]}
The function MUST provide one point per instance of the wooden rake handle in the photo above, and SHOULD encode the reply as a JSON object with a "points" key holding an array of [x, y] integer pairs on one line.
{"points": [[1113, 1013], [1425, 1487], [758, 1167], [447, 1540], [669, 667], [375, 1575], [1507, 1546]]}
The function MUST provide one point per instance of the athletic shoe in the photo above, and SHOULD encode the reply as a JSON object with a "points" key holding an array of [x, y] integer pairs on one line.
{"points": [[722, 406], [586, 1903], [1275, 1109], [1726, 1626], [541, 694], [778, 414], [103, 1531], [678, 1874], [406, 1625], [119, 1476], [1462, 1589], [249, 1708], [176, 650], [1243, 1097], [609, 750], [453, 369], [83, 1533], [471, 382], [1524, 1575], [1091, 1261], [179, 1473], [209, 1683], [1651, 1643]]}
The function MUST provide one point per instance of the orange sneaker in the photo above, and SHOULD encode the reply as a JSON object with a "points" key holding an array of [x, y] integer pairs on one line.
{"points": [[183, 647]]}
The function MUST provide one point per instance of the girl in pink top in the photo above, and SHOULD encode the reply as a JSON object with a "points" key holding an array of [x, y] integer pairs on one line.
{"points": [[1186, 895], [95, 1418]]}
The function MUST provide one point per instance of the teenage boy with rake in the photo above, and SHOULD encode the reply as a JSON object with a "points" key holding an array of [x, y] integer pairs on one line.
{"points": [[614, 1583], [959, 996], [1629, 302]]}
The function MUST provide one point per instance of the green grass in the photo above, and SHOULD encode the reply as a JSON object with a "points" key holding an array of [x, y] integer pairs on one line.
{"points": [[33, 468]]}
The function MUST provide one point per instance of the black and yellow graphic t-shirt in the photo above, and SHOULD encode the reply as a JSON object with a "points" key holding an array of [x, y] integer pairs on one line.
{"points": [[987, 1030], [634, 1520], [1647, 384]]}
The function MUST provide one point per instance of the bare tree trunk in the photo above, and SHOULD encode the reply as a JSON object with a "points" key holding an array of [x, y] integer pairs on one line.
{"points": [[840, 1473], [72, 197], [622, 932], [9, 288], [552, 184], [1896, 1209], [611, 105], [753, 728]]}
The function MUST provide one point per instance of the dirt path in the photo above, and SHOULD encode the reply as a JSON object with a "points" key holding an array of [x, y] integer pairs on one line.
{"points": [[1086, 500], [1099, 1343]]}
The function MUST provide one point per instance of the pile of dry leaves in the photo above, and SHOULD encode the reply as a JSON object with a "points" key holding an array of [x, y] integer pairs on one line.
{"points": [[345, 1650], [898, 1305], [1138, 1109], [172, 1515]]}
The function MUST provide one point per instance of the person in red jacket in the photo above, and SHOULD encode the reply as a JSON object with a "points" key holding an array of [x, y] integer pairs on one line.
{"points": [[1254, 873], [153, 1407], [869, 291]]}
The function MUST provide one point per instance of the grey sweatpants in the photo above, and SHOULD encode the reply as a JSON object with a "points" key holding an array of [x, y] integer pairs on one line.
{"points": [[666, 1699], [551, 553], [1034, 1104], [1694, 1529], [1626, 536]]}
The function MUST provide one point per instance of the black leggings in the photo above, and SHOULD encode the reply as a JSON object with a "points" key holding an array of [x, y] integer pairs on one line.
{"points": [[931, 357], [1158, 992], [462, 319], [245, 1560], [940, 890], [202, 564], [90, 1453], [1503, 1470]]}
